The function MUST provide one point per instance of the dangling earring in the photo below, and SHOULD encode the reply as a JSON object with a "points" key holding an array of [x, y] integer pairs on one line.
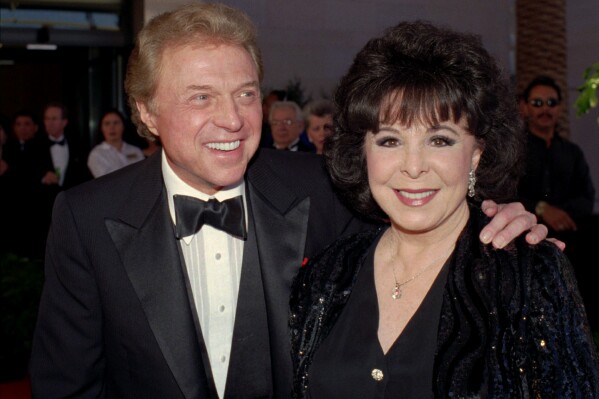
{"points": [[471, 183]]}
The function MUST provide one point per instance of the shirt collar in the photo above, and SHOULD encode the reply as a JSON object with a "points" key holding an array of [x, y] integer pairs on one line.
{"points": [[291, 147], [56, 140]]}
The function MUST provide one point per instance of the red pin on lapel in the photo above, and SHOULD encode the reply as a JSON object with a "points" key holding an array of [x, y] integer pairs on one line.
{"points": [[304, 262]]}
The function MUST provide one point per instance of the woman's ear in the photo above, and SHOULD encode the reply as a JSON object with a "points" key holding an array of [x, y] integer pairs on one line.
{"points": [[478, 152]]}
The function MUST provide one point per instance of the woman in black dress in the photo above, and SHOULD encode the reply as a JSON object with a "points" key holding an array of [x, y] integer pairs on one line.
{"points": [[426, 127]]}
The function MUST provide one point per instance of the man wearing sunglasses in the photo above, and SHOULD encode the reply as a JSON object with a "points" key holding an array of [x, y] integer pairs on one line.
{"points": [[557, 185]]}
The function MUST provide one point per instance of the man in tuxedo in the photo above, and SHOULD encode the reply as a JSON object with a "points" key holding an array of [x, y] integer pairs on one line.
{"points": [[67, 168], [62, 160], [141, 302]]}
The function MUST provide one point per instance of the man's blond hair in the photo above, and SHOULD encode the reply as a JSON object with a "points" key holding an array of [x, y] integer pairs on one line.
{"points": [[194, 23]]}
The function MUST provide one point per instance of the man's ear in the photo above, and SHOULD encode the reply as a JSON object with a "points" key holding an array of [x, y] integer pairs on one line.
{"points": [[147, 117]]}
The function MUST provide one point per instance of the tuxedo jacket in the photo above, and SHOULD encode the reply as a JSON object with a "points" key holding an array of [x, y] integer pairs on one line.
{"points": [[305, 147], [76, 171], [116, 319]]}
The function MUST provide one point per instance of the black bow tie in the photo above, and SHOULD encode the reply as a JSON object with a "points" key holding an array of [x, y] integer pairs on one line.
{"points": [[60, 142], [191, 213]]}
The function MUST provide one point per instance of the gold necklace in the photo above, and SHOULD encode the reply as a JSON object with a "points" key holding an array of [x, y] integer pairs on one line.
{"points": [[397, 288]]}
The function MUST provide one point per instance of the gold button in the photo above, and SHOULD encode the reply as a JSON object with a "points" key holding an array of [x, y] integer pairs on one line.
{"points": [[377, 374]]}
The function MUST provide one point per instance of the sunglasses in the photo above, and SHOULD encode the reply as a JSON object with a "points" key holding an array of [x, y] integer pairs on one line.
{"points": [[538, 103]]}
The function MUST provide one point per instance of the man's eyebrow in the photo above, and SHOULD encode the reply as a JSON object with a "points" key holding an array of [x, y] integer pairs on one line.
{"points": [[199, 87], [251, 83]]}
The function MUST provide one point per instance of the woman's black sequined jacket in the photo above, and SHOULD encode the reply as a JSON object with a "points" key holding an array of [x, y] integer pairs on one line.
{"points": [[516, 311]]}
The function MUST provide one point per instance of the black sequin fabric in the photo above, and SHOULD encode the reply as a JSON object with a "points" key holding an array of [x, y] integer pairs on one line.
{"points": [[512, 322]]}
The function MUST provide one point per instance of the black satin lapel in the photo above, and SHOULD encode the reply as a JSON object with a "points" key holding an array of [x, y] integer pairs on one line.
{"points": [[151, 259], [250, 372], [281, 240]]}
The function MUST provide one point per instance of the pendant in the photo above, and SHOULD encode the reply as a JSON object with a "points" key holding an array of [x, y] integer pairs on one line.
{"points": [[396, 291]]}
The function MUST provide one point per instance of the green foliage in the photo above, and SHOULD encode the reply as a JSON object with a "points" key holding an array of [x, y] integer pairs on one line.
{"points": [[21, 281], [587, 98]]}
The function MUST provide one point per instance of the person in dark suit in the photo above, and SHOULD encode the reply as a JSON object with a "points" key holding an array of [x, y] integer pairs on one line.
{"points": [[25, 163], [286, 125], [137, 301], [68, 163], [318, 119], [267, 100], [62, 161], [3, 138]]}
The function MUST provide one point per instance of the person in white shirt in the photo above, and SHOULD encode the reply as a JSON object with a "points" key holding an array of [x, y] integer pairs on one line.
{"points": [[113, 153]]}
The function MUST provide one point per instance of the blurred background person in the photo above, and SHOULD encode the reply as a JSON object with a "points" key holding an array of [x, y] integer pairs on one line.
{"points": [[3, 139], [113, 152], [66, 161], [272, 97], [287, 124], [26, 162], [557, 184], [24, 129], [3, 187], [318, 119], [68, 165]]}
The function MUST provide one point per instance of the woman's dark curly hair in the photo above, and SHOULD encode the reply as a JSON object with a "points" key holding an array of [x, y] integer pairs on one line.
{"points": [[417, 72]]}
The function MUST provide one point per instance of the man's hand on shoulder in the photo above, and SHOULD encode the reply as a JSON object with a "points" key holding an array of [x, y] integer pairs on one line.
{"points": [[508, 222]]}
